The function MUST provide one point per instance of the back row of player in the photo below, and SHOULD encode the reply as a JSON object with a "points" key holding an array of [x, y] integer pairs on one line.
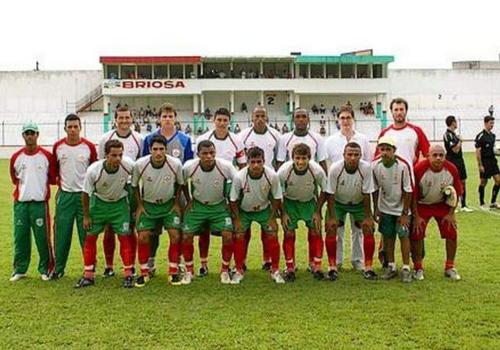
{"points": [[72, 161]]}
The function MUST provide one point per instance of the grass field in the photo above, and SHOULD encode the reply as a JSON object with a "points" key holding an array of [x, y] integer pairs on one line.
{"points": [[350, 313]]}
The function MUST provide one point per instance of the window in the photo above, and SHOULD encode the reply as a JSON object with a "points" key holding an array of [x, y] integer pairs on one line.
{"points": [[332, 71], [363, 71], [303, 71], [144, 72], [112, 72], [347, 71], [316, 71], [161, 72], [128, 72], [378, 71], [176, 71]]}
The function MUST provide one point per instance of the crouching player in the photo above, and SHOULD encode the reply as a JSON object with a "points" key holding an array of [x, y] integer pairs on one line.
{"points": [[104, 200], [301, 178], [435, 178], [208, 178], [391, 203], [157, 180], [256, 196], [349, 188]]}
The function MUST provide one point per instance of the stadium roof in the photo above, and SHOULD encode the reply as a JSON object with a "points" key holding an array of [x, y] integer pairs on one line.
{"points": [[149, 59], [360, 59]]}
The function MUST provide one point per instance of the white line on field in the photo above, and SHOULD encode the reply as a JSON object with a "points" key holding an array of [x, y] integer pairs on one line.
{"points": [[485, 211]]}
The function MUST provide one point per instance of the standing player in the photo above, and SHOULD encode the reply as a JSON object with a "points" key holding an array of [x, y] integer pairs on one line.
{"points": [[391, 202], [72, 156], [178, 146], [453, 146], [435, 179], [208, 178], [157, 181], [132, 148], [410, 139], [302, 179], [302, 134], [32, 171], [256, 197], [261, 135], [487, 162], [229, 147], [334, 146], [105, 203], [349, 188]]}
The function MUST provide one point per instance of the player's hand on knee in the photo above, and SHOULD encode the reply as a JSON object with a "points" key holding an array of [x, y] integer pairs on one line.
{"points": [[316, 219], [331, 226], [404, 220], [87, 223], [450, 220], [418, 225], [143, 237], [285, 221], [367, 225]]}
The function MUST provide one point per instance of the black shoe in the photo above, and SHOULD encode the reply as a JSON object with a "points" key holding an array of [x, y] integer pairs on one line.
{"points": [[133, 271], [128, 282], [203, 271], [266, 266], [54, 276], [333, 275], [370, 275], [84, 282], [140, 281], [175, 280], [289, 276], [318, 275], [108, 272]]}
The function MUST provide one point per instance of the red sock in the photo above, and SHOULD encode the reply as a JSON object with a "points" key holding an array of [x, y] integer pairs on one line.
{"points": [[187, 252], [318, 251], [89, 255], [310, 245], [265, 251], [204, 246], [449, 264], [108, 244], [369, 249], [331, 249], [274, 251], [247, 237], [227, 253], [173, 258], [126, 254], [239, 253], [289, 251], [143, 256], [418, 266]]}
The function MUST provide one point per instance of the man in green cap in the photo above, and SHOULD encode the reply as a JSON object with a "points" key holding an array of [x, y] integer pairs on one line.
{"points": [[32, 171]]}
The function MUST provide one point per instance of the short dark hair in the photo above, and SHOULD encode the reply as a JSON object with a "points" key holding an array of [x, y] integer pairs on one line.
{"points": [[399, 100], [122, 109], [301, 149], [167, 107], [204, 144], [450, 119], [158, 139], [352, 145], [346, 108], [255, 152], [112, 144], [222, 111], [300, 109], [488, 118], [71, 117]]}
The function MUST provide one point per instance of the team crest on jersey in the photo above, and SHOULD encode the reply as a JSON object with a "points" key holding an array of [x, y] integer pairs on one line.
{"points": [[104, 184], [342, 183], [81, 157], [264, 188], [149, 179], [176, 152], [39, 222], [167, 178], [256, 208]]}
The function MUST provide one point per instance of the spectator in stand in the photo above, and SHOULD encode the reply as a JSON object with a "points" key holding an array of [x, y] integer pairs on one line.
{"points": [[284, 129], [199, 131], [349, 103], [315, 109], [276, 126], [322, 130], [334, 110], [237, 128], [322, 109], [178, 126], [244, 107], [188, 130], [491, 110], [149, 128], [207, 113]]}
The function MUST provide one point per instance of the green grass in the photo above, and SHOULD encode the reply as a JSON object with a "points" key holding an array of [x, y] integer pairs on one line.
{"points": [[350, 313]]}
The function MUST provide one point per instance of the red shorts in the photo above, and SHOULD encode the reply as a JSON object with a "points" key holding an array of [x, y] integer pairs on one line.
{"points": [[438, 212]]}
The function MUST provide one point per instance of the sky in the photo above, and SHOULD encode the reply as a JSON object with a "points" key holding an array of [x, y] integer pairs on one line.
{"points": [[66, 35]]}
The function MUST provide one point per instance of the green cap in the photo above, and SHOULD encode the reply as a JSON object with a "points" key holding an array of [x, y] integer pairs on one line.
{"points": [[30, 127]]}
